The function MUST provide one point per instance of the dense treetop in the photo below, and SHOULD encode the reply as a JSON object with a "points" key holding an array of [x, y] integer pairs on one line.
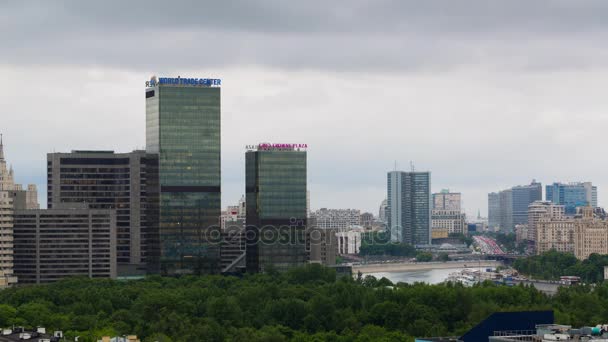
{"points": [[305, 304]]}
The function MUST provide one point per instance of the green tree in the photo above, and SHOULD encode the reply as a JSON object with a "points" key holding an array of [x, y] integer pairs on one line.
{"points": [[424, 257], [7, 315]]}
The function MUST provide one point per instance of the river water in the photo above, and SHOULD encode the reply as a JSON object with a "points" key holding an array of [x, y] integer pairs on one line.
{"points": [[435, 276]]}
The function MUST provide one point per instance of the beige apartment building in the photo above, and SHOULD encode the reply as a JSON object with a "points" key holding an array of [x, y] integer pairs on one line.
{"points": [[555, 233], [540, 209], [12, 197], [582, 236], [591, 235]]}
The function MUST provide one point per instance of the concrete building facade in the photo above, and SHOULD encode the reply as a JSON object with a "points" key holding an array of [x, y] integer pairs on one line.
{"points": [[6, 240], [591, 235], [538, 210], [510, 206], [338, 219], [52, 244], [493, 210], [107, 180], [446, 200], [349, 242], [323, 245], [446, 222], [582, 235], [555, 234]]}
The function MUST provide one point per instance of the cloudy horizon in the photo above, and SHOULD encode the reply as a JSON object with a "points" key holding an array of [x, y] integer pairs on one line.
{"points": [[485, 95]]}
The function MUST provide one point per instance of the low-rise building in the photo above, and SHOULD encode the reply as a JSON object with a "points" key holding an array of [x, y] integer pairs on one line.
{"points": [[349, 241], [233, 246], [340, 219], [367, 220], [446, 222], [323, 246]]}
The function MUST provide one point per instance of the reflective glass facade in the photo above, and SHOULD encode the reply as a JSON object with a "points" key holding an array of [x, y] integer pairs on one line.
{"points": [[276, 209], [572, 195], [183, 127], [409, 207]]}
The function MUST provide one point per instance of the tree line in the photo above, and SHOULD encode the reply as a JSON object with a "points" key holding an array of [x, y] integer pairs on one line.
{"points": [[552, 265], [304, 304]]}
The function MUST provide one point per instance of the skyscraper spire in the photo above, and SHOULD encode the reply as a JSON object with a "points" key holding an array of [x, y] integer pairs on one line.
{"points": [[1, 148]]}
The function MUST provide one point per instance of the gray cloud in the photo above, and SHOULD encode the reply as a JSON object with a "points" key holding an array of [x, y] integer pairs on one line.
{"points": [[485, 94], [344, 35]]}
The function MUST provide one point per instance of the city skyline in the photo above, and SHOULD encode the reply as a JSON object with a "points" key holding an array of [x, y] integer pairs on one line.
{"points": [[347, 94]]}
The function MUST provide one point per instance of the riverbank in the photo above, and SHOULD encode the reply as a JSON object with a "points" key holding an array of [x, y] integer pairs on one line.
{"points": [[420, 266]]}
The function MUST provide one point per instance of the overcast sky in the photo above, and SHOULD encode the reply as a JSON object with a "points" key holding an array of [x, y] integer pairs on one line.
{"points": [[484, 94]]}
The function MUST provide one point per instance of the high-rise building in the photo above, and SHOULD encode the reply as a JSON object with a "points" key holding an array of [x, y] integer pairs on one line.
{"points": [[572, 195], [555, 234], [382, 211], [513, 205], [446, 200], [6, 240], [276, 207], [409, 207], [538, 210], [183, 128], [523, 195], [12, 197], [24, 199], [583, 234], [591, 194], [506, 211], [242, 207], [339, 219], [590, 234], [51, 244], [107, 180], [493, 210]]}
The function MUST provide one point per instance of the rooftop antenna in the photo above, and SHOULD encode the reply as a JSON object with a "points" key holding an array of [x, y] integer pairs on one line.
{"points": [[412, 166], [395, 165]]}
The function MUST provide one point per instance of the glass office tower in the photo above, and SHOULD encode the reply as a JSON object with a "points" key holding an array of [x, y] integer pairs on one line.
{"points": [[183, 129], [572, 195], [276, 208], [409, 207]]}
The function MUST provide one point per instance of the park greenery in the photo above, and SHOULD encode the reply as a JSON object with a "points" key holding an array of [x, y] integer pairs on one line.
{"points": [[552, 264], [304, 304], [378, 243]]}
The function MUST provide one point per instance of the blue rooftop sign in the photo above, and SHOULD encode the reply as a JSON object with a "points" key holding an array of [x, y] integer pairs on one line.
{"points": [[204, 82]]}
